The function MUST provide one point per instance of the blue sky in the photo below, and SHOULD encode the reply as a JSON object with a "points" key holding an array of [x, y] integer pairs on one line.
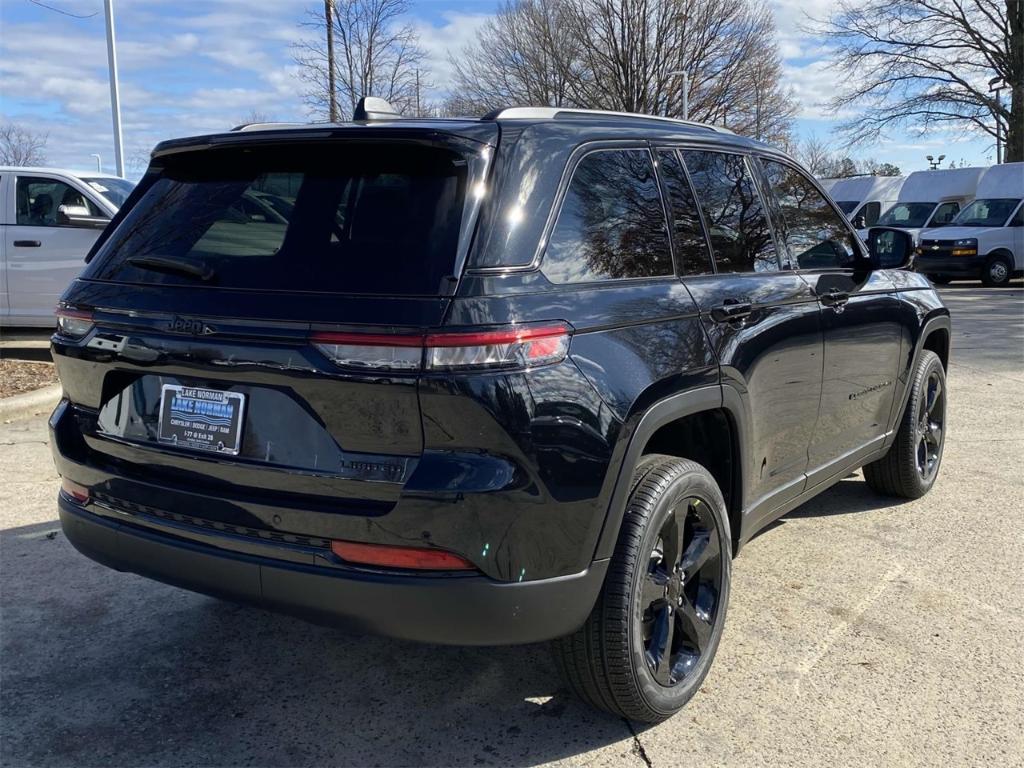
{"points": [[195, 66]]}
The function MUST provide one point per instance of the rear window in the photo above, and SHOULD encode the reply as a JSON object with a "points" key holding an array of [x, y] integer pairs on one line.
{"points": [[352, 218]]}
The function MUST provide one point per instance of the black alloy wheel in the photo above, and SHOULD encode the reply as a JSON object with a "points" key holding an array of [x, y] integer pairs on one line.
{"points": [[652, 636], [931, 420], [679, 598]]}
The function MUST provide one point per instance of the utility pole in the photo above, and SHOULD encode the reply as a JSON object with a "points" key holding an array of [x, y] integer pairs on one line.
{"points": [[418, 113], [332, 95], [685, 86], [115, 99], [995, 85]]}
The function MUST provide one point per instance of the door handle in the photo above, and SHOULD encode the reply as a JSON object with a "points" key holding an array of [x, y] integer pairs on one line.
{"points": [[27, 243], [835, 298], [732, 310]]}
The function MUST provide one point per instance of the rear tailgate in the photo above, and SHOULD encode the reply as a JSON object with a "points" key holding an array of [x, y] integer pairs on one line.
{"points": [[210, 291]]}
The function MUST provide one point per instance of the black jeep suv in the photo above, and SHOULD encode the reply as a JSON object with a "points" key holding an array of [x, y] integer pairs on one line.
{"points": [[535, 376]]}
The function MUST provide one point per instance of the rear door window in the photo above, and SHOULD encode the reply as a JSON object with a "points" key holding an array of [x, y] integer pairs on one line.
{"points": [[611, 224], [816, 234], [377, 219], [741, 238], [688, 239]]}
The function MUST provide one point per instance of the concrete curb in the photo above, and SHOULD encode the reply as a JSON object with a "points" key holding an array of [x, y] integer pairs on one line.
{"points": [[32, 403]]}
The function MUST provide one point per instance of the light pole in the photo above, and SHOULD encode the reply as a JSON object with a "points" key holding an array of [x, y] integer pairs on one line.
{"points": [[115, 99], [995, 85], [99, 164], [933, 163], [685, 86]]}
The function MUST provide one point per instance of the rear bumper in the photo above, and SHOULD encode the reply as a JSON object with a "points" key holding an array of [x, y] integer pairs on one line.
{"points": [[950, 265], [453, 610]]}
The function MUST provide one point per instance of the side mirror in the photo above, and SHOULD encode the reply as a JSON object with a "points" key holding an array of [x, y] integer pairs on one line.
{"points": [[79, 216], [859, 222], [890, 248]]}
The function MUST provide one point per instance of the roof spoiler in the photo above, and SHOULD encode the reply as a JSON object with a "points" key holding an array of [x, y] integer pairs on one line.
{"points": [[372, 108]]}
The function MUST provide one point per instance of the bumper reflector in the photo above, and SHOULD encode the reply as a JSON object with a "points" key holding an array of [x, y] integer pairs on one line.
{"points": [[400, 557], [77, 492]]}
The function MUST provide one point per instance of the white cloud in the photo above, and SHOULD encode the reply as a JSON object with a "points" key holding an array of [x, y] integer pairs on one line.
{"points": [[446, 40]]}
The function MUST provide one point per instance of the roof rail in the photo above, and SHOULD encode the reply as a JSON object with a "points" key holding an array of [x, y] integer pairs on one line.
{"points": [[262, 126], [553, 113]]}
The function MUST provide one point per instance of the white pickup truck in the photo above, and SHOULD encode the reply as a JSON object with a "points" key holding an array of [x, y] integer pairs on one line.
{"points": [[49, 219], [986, 239]]}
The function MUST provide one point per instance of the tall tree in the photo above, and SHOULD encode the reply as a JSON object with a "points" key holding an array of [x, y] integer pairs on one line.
{"points": [[20, 146], [376, 54], [927, 64], [626, 55]]}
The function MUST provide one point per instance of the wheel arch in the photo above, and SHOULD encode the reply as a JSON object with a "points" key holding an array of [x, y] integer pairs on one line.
{"points": [[678, 426]]}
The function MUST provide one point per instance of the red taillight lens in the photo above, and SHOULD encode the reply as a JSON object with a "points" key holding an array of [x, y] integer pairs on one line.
{"points": [[73, 323], [517, 347], [400, 557], [77, 492]]}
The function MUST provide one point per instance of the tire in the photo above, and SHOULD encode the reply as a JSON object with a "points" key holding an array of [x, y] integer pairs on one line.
{"points": [[997, 271], [616, 661], [910, 467], [940, 279]]}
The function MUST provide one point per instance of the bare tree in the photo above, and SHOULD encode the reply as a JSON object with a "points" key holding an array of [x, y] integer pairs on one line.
{"points": [[927, 64], [625, 55], [376, 54], [20, 146]]}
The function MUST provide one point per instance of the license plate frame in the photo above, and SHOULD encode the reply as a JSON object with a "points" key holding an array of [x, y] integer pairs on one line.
{"points": [[201, 418]]}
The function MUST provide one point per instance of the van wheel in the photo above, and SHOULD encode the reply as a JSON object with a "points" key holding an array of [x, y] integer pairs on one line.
{"points": [[910, 467], [997, 271], [653, 633]]}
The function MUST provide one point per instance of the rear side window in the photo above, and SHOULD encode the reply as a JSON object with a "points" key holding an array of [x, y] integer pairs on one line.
{"points": [[738, 228], [688, 239], [612, 223], [376, 219], [816, 235]]}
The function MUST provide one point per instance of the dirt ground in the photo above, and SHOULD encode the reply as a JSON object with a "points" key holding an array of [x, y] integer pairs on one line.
{"points": [[17, 376]]}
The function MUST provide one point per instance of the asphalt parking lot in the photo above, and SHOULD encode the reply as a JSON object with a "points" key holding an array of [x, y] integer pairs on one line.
{"points": [[860, 632]]}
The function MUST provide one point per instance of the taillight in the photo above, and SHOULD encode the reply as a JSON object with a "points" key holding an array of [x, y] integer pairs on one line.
{"points": [[77, 492], [386, 556], [73, 323], [523, 346]]}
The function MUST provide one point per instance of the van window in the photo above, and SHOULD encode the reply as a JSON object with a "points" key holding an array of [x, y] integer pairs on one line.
{"points": [[741, 239], [912, 215], [944, 214], [870, 211], [370, 219], [691, 246], [816, 235], [612, 223], [990, 212], [1018, 218], [847, 206]]}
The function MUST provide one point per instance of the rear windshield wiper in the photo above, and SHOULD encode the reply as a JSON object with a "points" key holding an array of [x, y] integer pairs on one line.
{"points": [[185, 267]]}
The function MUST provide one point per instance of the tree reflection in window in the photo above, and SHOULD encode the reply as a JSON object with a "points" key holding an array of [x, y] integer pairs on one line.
{"points": [[816, 235], [611, 224], [738, 228], [691, 248]]}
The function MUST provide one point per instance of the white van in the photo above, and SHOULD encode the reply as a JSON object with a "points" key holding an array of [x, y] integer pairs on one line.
{"points": [[863, 198], [49, 219], [986, 239], [930, 199]]}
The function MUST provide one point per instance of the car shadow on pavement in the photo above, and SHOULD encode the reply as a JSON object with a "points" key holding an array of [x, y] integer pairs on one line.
{"points": [[847, 497], [105, 668]]}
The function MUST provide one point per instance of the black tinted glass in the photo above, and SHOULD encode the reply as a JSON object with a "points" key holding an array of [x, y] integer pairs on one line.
{"points": [[688, 235], [345, 219], [738, 228], [816, 235], [611, 224]]}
